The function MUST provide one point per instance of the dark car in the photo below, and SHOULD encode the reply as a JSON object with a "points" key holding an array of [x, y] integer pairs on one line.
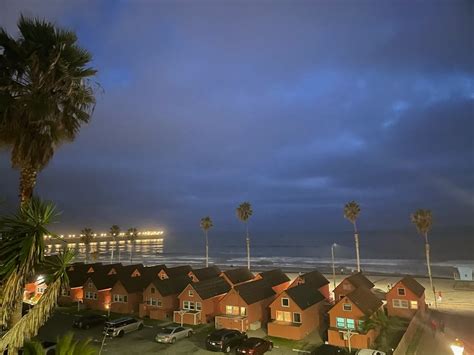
{"points": [[327, 349], [85, 322], [224, 340], [254, 346]]}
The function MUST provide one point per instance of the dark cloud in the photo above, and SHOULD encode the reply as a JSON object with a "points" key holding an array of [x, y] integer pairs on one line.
{"points": [[295, 106]]}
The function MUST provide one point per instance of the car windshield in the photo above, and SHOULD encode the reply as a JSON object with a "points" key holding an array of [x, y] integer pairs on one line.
{"points": [[217, 335], [167, 330]]}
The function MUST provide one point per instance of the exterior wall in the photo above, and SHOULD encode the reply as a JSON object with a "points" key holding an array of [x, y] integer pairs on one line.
{"points": [[208, 308], [311, 319], [169, 304], [357, 340], [325, 291], [408, 313], [76, 294], [344, 288], [281, 287], [129, 307], [103, 297]]}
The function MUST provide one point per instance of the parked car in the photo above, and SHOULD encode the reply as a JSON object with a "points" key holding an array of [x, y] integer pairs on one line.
{"points": [[224, 340], [254, 346], [171, 334], [370, 352], [85, 322], [327, 349], [120, 326]]}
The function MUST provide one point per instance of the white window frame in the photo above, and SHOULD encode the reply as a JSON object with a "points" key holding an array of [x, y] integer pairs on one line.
{"points": [[397, 303], [344, 307], [198, 306], [293, 316], [401, 289], [191, 293], [287, 300], [117, 298]]}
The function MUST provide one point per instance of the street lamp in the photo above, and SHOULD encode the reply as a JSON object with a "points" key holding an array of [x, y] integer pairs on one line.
{"points": [[333, 266]]}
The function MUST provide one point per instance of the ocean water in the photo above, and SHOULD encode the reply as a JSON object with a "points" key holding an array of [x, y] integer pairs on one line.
{"points": [[290, 258]]}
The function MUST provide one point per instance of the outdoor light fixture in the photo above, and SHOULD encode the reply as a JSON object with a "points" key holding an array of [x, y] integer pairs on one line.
{"points": [[457, 347]]}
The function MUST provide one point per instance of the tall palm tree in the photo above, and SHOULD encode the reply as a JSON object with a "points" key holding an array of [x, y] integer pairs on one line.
{"points": [[132, 236], [383, 324], [114, 233], [22, 250], [351, 212], [46, 94], [206, 224], [66, 345], [87, 237], [423, 220], [244, 211]]}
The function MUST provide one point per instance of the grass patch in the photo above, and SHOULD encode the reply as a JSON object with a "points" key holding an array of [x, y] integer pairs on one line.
{"points": [[290, 344]]}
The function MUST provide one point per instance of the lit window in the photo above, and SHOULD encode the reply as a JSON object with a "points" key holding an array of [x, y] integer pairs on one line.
{"points": [[414, 304], [285, 302], [340, 322], [283, 316], [243, 311], [296, 317], [228, 309], [401, 291], [399, 303], [347, 307], [350, 323]]}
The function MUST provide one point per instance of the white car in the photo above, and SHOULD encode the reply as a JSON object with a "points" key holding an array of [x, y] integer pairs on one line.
{"points": [[118, 327], [370, 352], [171, 334]]}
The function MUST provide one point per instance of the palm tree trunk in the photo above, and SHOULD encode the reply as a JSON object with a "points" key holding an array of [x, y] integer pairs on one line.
{"points": [[207, 250], [428, 264], [112, 255], [27, 184], [131, 251], [356, 237], [248, 247]]}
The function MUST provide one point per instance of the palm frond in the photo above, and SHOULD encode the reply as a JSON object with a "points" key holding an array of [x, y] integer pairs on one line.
{"points": [[244, 211]]}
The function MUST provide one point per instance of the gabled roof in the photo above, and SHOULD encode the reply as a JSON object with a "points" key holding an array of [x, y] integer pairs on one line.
{"points": [[178, 270], [211, 287], [413, 285], [127, 270], [305, 295], [152, 271], [254, 291], [239, 275], [133, 284], [101, 280], [365, 300], [77, 278], [274, 277], [172, 286], [207, 273], [315, 278], [359, 280]]}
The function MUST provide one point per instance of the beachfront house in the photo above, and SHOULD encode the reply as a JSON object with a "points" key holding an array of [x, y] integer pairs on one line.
{"points": [[297, 312], [405, 298], [276, 278], [170, 272], [315, 279], [205, 273], [96, 290], [351, 283], [199, 301], [346, 319], [237, 276], [245, 306], [160, 297]]}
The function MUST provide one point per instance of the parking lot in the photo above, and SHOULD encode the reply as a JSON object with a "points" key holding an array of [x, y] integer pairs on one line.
{"points": [[138, 342]]}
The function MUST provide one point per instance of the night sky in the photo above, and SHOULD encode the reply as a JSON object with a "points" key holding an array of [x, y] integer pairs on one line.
{"points": [[295, 106]]}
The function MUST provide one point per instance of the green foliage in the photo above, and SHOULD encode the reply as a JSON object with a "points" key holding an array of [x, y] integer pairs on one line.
{"points": [[45, 91], [244, 211], [206, 223], [87, 236], [66, 345], [385, 325], [132, 234], [351, 211], [423, 220]]}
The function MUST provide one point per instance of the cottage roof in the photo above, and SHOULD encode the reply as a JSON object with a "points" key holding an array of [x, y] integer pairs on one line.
{"points": [[315, 278], [127, 270], [359, 280], [102, 281], [255, 291], [365, 300], [211, 287], [274, 277], [172, 286], [305, 295], [152, 271], [239, 275], [413, 285], [77, 278], [178, 270], [207, 272]]}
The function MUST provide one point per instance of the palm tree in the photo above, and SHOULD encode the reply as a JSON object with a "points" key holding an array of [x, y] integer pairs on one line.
{"points": [[21, 251], [244, 211], [206, 224], [114, 233], [66, 345], [46, 94], [384, 325], [351, 212], [423, 220], [132, 236], [87, 236]]}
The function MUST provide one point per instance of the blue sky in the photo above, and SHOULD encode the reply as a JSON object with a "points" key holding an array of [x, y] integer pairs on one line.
{"points": [[295, 106]]}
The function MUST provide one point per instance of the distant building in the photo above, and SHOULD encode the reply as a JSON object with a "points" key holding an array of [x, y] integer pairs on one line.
{"points": [[405, 298], [350, 284]]}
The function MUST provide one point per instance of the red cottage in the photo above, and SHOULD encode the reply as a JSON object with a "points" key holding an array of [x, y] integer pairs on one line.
{"points": [[405, 298], [315, 279], [350, 284]]}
